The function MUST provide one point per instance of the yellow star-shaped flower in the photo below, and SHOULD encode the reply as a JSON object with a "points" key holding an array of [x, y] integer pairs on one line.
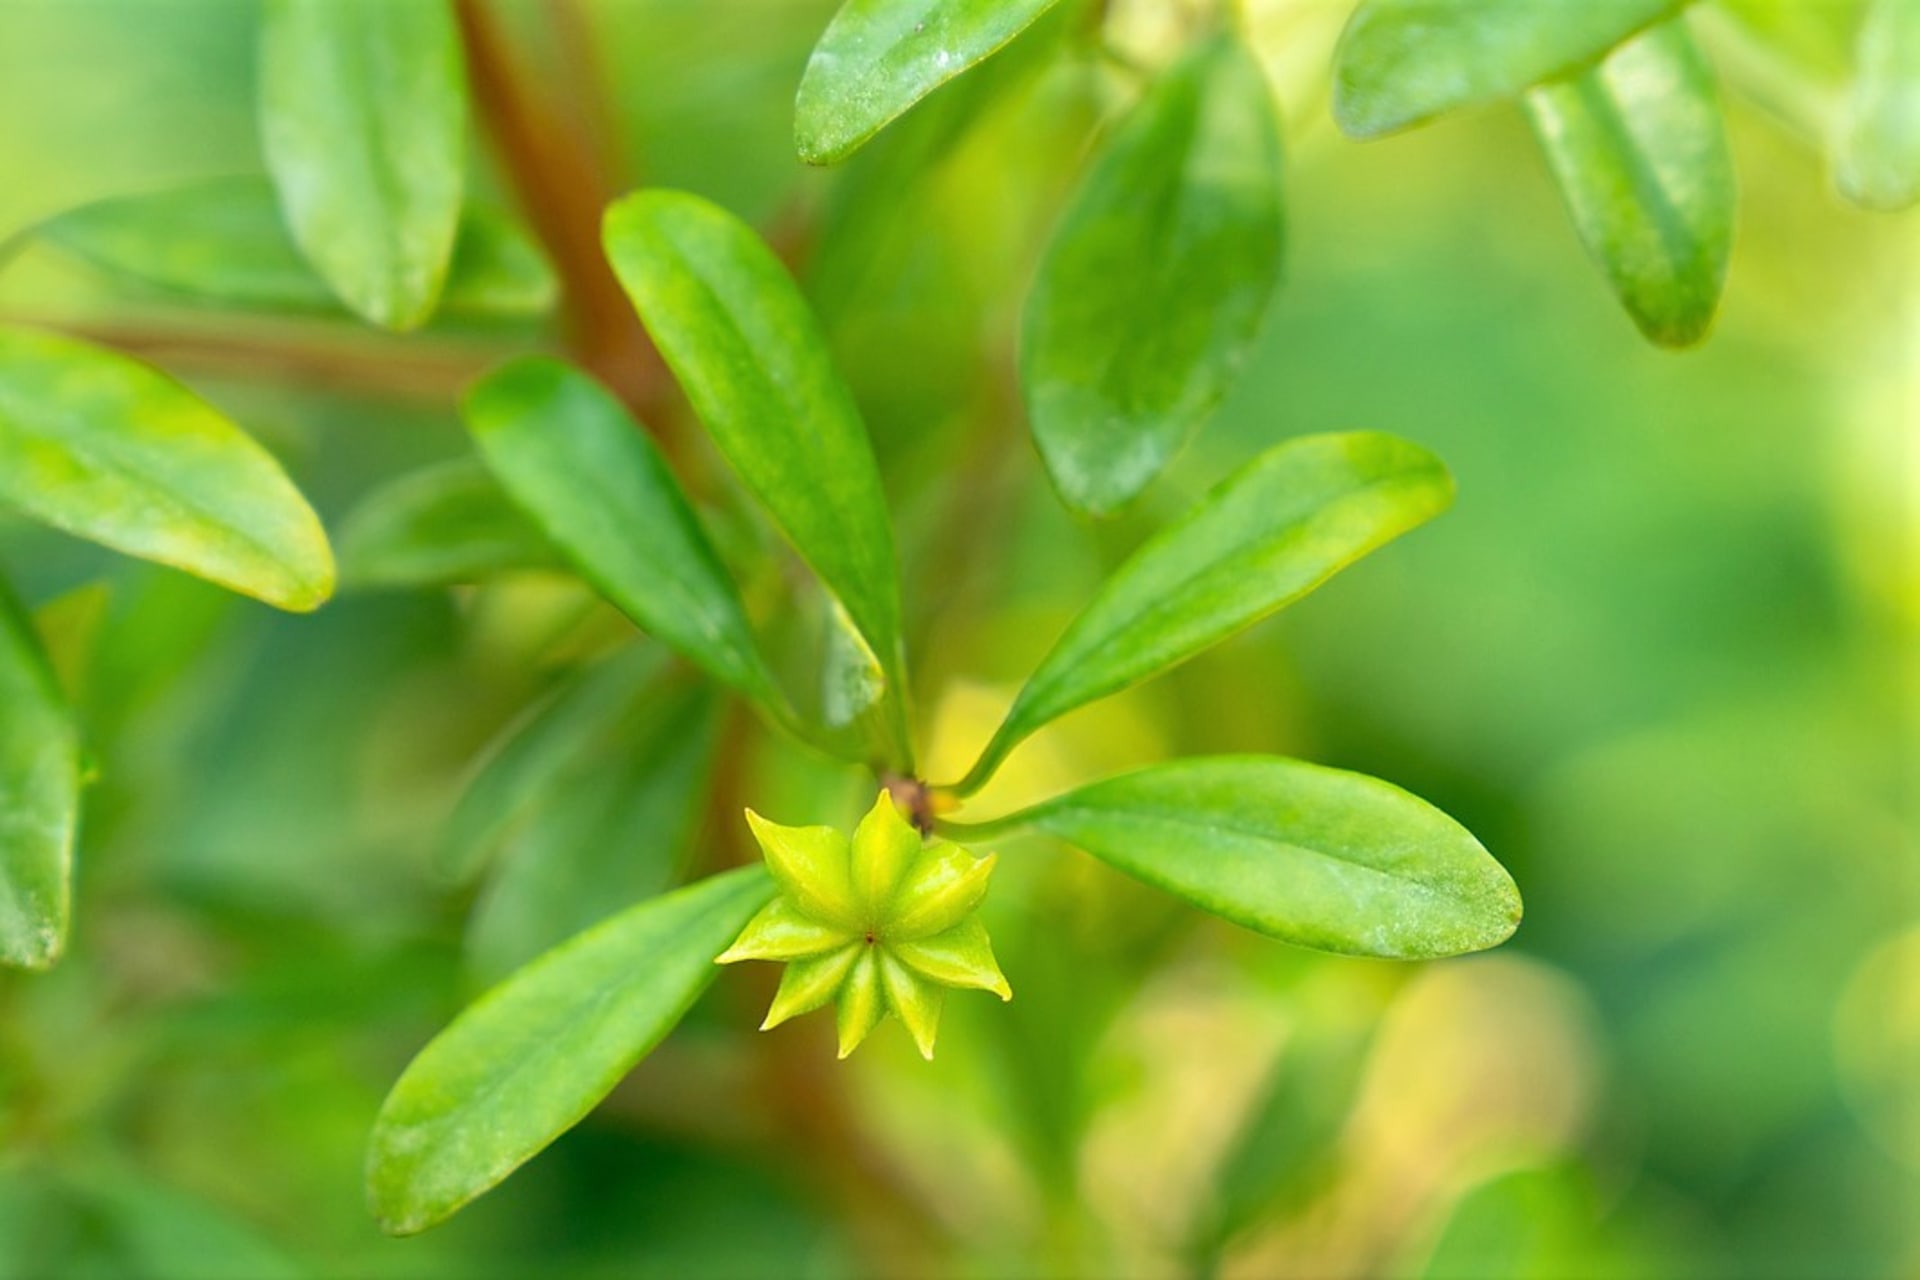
{"points": [[886, 925]]}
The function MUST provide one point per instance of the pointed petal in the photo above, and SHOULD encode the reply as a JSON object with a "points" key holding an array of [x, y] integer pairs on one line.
{"points": [[861, 1003], [960, 957], [914, 1000], [944, 885], [884, 847], [811, 865], [808, 984], [783, 932]]}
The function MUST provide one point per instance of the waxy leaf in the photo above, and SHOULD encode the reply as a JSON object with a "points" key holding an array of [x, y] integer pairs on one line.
{"points": [[108, 449], [441, 525], [224, 242], [754, 363], [1318, 857], [1401, 62], [879, 57], [530, 1058], [1639, 149], [1879, 160], [1264, 537], [564, 449], [39, 796], [1155, 284], [363, 107]]}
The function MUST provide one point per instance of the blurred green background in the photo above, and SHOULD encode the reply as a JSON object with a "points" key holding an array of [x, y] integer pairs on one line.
{"points": [[1661, 658]]}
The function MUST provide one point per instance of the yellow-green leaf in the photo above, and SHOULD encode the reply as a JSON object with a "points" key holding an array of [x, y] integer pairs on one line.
{"points": [[39, 796], [1879, 161]]}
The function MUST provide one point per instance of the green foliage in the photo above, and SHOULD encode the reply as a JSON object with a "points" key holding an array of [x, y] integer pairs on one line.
{"points": [[879, 57], [532, 1056], [1402, 62], [441, 525], [1316, 857], [363, 107], [108, 449], [39, 797], [1267, 535], [223, 242], [1879, 159], [1640, 153], [1154, 286]]}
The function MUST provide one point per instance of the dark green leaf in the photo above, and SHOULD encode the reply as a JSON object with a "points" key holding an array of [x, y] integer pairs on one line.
{"points": [[1155, 284], [879, 57], [363, 119], [224, 242], [1401, 62], [611, 829], [752, 359], [1267, 535], [441, 525], [1879, 162], [39, 796], [1640, 152], [111, 450], [565, 450], [1313, 856], [524, 1063]]}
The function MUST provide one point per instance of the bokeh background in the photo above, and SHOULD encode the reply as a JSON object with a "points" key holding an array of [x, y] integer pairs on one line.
{"points": [[1661, 658]]}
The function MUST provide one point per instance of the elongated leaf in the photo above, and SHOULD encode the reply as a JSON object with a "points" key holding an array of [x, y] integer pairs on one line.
{"points": [[111, 450], [1157, 279], [225, 242], [612, 829], [535, 1054], [1318, 857], [753, 361], [445, 524], [1402, 62], [1265, 536], [363, 119], [564, 449], [1879, 161], [39, 796], [879, 57], [1532, 1224], [1639, 149]]}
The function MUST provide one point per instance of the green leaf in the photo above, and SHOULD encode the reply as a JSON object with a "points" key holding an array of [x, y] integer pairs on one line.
{"points": [[530, 1058], [1154, 287], [1879, 153], [614, 828], [879, 57], [363, 109], [565, 450], [1264, 537], [1402, 62], [444, 524], [753, 361], [39, 796], [1532, 1224], [111, 450], [1317, 857], [1639, 149], [224, 242]]}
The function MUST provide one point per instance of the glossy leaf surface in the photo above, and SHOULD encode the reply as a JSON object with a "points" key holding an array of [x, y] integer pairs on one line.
{"points": [[565, 450], [753, 360], [1402, 62], [1267, 535], [1639, 148], [530, 1058], [1156, 281], [1318, 857], [1879, 162], [111, 450], [225, 242], [363, 120], [39, 796], [879, 57], [441, 525]]}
